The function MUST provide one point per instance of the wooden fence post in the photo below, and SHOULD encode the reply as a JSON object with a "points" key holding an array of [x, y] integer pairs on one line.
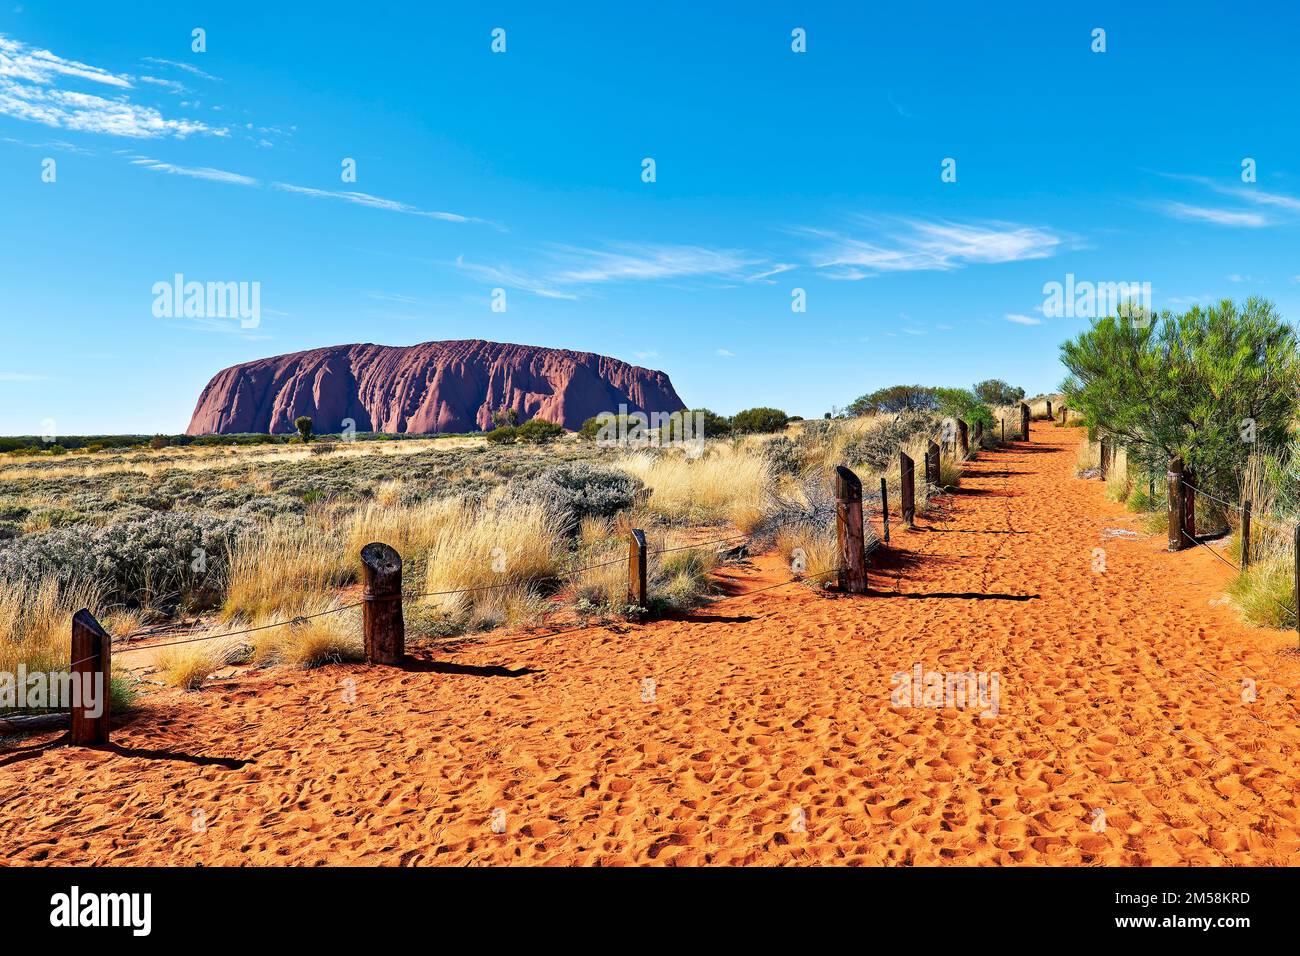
{"points": [[932, 463], [381, 609], [907, 489], [636, 569], [979, 434], [884, 507], [1175, 476], [963, 438], [1004, 429], [1104, 461], [1245, 535], [849, 532], [91, 668], [1189, 502], [1050, 416], [1062, 414], [1024, 421]]}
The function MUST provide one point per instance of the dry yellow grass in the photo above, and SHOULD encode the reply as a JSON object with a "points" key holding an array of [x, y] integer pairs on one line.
{"points": [[723, 485], [313, 638], [188, 666], [36, 623], [273, 571], [675, 578], [502, 550], [411, 529], [812, 552]]}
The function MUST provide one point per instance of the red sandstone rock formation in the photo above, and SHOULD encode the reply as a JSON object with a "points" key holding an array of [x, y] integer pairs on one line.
{"points": [[432, 387]]}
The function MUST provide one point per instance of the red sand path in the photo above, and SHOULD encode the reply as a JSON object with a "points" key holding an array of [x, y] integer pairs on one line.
{"points": [[1121, 693]]}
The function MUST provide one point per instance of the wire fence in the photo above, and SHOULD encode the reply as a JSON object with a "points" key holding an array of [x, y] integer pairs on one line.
{"points": [[1253, 518], [303, 618]]}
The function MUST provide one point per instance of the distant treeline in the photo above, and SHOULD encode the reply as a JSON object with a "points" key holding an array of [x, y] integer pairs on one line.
{"points": [[63, 443]]}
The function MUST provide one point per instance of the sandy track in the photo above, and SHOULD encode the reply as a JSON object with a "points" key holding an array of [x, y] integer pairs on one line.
{"points": [[1120, 693]]}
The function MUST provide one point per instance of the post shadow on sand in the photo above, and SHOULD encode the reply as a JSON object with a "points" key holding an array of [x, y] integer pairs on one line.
{"points": [[423, 665], [27, 753]]}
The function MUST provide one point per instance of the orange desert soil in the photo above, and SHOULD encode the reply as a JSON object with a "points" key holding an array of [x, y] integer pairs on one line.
{"points": [[768, 735]]}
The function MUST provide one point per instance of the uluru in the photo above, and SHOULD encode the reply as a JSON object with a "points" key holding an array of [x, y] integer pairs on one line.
{"points": [[452, 386]]}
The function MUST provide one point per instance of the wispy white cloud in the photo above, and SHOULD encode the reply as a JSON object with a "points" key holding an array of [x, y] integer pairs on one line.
{"points": [[1246, 192], [1019, 319], [1217, 216], [776, 270], [910, 245], [724, 353], [374, 202], [564, 271], [510, 278], [898, 107], [22, 377], [642, 261], [170, 85], [186, 67], [1262, 197], [33, 87], [195, 172], [393, 297], [239, 179]]}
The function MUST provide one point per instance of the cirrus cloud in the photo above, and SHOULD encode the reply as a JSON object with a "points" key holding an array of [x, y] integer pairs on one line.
{"points": [[34, 86]]}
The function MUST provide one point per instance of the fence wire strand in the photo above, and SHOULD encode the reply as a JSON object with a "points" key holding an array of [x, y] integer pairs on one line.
{"points": [[301, 618]]}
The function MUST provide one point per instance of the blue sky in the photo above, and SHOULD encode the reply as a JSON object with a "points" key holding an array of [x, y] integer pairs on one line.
{"points": [[522, 170]]}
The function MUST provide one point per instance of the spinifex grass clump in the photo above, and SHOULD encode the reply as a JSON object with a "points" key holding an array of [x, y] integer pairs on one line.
{"points": [[272, 571], [676, 579], [1265, 593], [35, 629], [724, 485], [492, 563]]}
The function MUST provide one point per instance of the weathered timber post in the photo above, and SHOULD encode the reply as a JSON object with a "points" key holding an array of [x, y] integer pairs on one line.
{"points": [[963, 439], [849, 532], [907, 489], [381, 609], [932, 464], [1245, 535], [1024, 421], [884, 507], [91, 667], [1062, 414], [1004, 430], [1175, 476], [1049, 409], [979, 434], [636, 569], [1103, 459]]}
